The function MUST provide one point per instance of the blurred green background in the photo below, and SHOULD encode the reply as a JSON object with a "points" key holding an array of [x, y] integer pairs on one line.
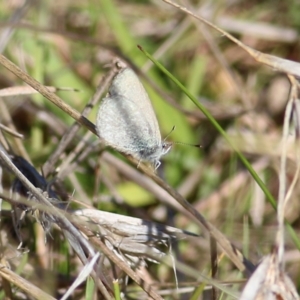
{"points": [[71, 43]]}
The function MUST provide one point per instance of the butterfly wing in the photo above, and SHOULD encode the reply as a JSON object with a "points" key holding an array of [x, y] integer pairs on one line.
{"points": [[126, 120]]}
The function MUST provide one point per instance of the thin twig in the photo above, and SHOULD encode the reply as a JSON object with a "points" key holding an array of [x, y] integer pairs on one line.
{"points": [[277, 63], [46, 93]]}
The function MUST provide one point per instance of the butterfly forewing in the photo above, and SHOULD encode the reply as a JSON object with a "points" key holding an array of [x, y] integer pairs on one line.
{"points": [[126, 120]]}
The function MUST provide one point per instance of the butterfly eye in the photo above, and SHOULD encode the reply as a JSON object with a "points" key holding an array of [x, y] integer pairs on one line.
{"points": [[166, 147]]}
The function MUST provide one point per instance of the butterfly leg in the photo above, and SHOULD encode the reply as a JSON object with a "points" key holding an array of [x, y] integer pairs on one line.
{"points": [[139, 163], [157, 164]]}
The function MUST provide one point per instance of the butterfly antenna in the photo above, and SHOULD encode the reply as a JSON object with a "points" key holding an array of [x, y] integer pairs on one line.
{"points": [[187, 144], [181, 143], [173, 128]]}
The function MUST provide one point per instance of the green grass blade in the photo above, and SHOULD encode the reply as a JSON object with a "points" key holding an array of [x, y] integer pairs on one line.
{"points": [[267, 193]]}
